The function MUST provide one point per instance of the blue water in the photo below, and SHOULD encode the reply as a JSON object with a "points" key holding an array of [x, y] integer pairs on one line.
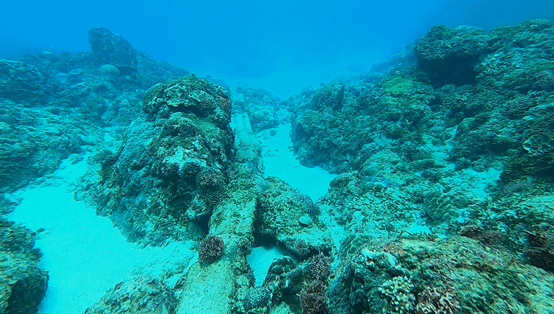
{"points": [[281, 45], [400, 189]]}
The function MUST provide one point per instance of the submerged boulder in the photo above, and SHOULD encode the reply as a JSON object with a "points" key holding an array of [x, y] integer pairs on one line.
{"points": [[109, 48], [22, 283], [173, 167], [136, 296]]}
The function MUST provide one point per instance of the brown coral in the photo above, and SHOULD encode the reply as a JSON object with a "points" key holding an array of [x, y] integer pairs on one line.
{"points": [[433, 300], [211, 249]]}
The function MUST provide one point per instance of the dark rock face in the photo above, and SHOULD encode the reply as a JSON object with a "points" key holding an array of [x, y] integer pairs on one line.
{"points": [[449, 54], [22, 283], [112, 49], [173, 168]]}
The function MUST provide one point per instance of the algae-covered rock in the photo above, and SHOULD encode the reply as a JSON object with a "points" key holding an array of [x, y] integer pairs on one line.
{"points": [[190, 95], [280, 210], [136, 296], [22, 283], [173, 167], [20, 81], [414, 274], [522, 58], [264, 109], [113, 49]]}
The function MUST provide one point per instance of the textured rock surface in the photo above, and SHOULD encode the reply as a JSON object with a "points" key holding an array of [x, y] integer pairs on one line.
{"points": [[463, 275], [21, 81], [449, 54], [22, 282], [112, 49], [51, 105], [136, 296], [169, 174], [264, 109], [33, 140], [280, 212]]}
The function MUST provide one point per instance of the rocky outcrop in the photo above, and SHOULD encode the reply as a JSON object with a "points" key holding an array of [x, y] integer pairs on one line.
{"points": [[456, 275], [109, 48], [20, 81], [136, 296], [173, 167], [449, 55], [22, 283], [264, 109]]}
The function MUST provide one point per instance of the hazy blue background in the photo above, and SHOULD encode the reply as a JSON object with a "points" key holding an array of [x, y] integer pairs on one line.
{"points": [[282, 45]]}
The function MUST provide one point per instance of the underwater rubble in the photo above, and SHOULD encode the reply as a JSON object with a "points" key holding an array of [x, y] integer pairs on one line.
{"points": [[443, 200]]}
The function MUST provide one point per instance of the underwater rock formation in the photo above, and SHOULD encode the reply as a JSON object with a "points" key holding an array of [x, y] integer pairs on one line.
{"points": [[112, 49], [173, 168], [51, 105], [264, 109], [449, 55], [457, 145], [289, 217], [136, 296], [22, 283], [429, 275], [20, 81]]}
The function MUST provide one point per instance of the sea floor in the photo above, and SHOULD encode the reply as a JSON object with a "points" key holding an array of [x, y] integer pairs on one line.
{"points": [[279, 161]]}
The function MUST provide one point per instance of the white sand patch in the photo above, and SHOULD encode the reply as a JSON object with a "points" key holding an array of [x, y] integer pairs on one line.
{"points": [[83, 253], [280, 162], [261, 258]]}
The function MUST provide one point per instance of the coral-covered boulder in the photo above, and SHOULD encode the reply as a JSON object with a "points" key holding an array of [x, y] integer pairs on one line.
{"points": [[173, 167], [109, 48], [522, 58], [22, 283], [136, 296], [290, 217], [457, 275]]}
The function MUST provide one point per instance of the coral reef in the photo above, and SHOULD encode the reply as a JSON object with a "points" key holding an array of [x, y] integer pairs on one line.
{"points": [[170, 174], [426, 275], [22, 283], [442, 201]]}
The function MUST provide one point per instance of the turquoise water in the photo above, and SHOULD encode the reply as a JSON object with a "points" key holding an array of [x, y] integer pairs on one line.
{"points": [[314, 157]]}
